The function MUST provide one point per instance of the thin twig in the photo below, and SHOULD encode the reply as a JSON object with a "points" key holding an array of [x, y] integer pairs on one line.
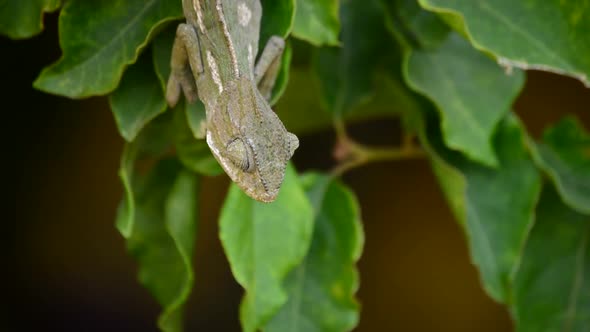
{"points": [[351, 154]]}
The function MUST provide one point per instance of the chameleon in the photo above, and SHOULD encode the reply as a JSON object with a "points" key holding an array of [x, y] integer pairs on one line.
{"points": [[213, 59]]}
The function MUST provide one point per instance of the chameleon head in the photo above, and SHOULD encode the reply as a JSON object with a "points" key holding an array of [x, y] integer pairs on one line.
{"points": [[249, 140]]}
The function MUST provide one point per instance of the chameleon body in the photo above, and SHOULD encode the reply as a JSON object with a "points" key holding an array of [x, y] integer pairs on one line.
{"points": [[213, 59]]}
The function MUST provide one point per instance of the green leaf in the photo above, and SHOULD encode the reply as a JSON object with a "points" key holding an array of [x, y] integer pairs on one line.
{"points": [[24, 19], [126, 215], [346, 74], [193, 153], [548, 35], [321, 289], [153, 142], [264, 242], [391, 97], [196, 156], [162, 239], [277, 19], [162, 52], [283, 78], [296, 108], [414, 27], [139, 98], [316, 21], [496, 206], [196, 117], [552, 289], [157, 217], [564, 154], [99, 39], [471, 92]]}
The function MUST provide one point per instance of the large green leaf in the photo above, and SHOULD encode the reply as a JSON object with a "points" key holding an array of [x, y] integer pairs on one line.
{"points": [[316, 21], [391, 97], [162, 205], [157, 217], [162, 53], [347, 73], [139, 98], [152, 143], [264, 242], [196, 156], [193, 153], [496, 206], [277, 19], [471, 92], [552, 289], [564, 154], [534, 34], [197, 118], [321, 289], [283, 78], [414, 27], [99, 39], [23, 19]]}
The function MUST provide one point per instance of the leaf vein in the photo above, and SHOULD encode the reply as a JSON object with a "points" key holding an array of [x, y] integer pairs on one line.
{"points": [[577, 283], [517, 29], [116, 38], [478, 130]]}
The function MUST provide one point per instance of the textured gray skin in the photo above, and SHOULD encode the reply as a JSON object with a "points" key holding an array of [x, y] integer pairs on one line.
{"points": [[213, 59]]}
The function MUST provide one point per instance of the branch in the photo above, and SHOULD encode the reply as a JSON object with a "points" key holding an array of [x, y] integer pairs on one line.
{"points": [[351, 154]]}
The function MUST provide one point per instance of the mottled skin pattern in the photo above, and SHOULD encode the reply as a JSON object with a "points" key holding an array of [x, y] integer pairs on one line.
{"points": [[213, 59]]}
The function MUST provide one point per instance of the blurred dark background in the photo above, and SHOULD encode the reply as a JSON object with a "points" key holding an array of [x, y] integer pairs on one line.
{"points": [[67, 268]]}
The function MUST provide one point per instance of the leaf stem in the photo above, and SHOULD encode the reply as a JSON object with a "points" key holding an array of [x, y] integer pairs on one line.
{"points": [[352, 154]]}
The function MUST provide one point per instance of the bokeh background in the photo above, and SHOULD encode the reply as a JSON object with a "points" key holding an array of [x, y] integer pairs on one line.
{"points": [[67, 268]]}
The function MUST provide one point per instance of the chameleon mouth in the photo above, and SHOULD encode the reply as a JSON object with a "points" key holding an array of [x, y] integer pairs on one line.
{"points": [[260, 193], [261, 196], [267, 197]]}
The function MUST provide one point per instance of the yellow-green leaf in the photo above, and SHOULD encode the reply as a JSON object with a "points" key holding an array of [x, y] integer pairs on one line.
{"points": [[263, 243], [316, 21], [321, 289]]}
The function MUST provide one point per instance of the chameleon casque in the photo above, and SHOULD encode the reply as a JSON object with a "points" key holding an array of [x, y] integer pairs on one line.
{"points": [[213, 59]]}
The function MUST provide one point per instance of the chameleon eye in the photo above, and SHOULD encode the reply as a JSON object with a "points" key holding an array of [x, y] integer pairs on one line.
{"points": [[240, 154]]}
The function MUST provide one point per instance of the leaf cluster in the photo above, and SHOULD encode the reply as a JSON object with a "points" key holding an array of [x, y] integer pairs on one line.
{"points": [[449, 69]]}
